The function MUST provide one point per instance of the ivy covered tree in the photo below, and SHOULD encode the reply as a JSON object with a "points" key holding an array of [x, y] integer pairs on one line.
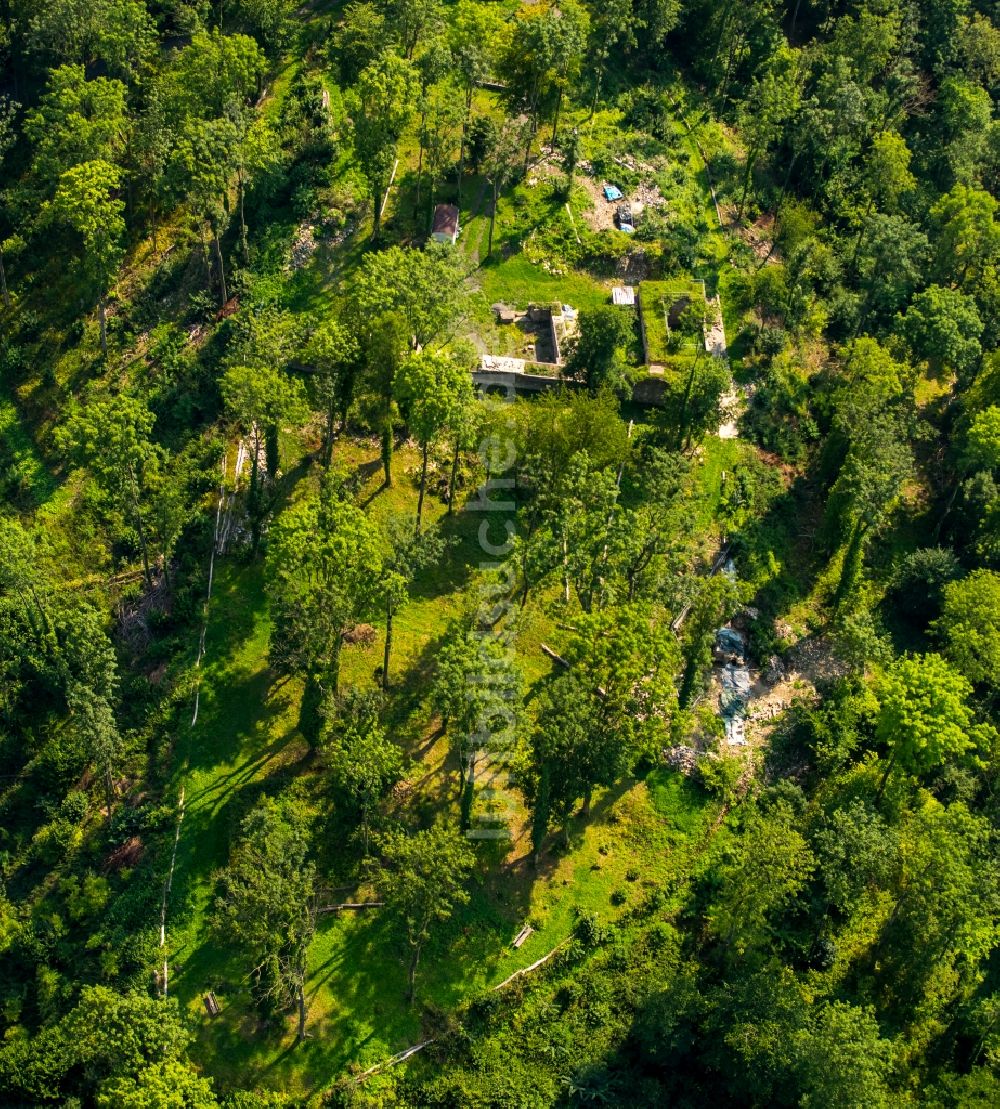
{"points": [[86, 201], [422, 877], [384, 99], [432, 389], [334, 353], [408, 552], [323, 566], [267, 902], [364, 762], [111, 436], [259, 399]]}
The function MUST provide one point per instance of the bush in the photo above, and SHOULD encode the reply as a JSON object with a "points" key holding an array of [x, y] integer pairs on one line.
{"points": [[917, 586], [589, 931]]}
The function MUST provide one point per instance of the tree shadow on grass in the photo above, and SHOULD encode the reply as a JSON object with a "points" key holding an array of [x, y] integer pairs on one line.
{"points": [[409, 689], [463, 553], [234, 708]]}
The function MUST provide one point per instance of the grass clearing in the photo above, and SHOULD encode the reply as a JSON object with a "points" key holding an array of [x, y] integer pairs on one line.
{"points": [[246, 744]]}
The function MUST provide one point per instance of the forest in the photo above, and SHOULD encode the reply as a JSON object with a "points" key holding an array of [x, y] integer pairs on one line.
{"points": [[499, 553]]}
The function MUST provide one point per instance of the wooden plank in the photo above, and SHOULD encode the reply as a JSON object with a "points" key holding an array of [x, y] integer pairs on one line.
{"points": [[525, 932], [546, 649]]}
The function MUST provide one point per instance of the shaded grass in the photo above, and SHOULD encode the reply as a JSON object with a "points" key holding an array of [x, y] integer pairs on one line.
{"points": [[24, 478]]}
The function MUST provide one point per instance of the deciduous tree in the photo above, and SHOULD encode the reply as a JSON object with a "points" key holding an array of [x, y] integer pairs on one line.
{"points": [[431, 389], [382, 106], [764, 869], [259, 399], [111, 437], [924, 717], [267, 901], [970, 626], [86, 200], [408, 551], [423, 881], [333, 351], [324, 562]]}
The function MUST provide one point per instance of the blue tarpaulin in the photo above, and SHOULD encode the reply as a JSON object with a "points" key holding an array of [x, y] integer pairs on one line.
{"points": [[611, 192]]}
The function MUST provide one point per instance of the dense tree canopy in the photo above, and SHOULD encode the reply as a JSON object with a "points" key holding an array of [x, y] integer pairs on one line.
{"points": [[545, 659]]}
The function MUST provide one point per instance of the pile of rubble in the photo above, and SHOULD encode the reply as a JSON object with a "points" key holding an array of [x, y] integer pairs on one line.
{"points": [[330, 230], [303, 246], [684, 759], [734, 675]]}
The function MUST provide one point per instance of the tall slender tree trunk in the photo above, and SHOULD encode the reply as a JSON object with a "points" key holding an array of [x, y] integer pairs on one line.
{"points": [[387, 450], [412, 977], [597, 94], [310, 714], [747, 178], [331, 417], [346, 395], [222, 266], [129, 189], [255, 501], [795, 20], [737, 44], [143, 547], [301, 991], [338, 644], [464, 141], [109, 787], [493, 219], [244, 246], [565, 568], [420, 159], [3, 282], [555, 118], [861, 234], [468, 794], [453, 478], [387, 653], [254, 462], [423, 485], [102, 319], [885, 777], [377, 214], [204, 252]]}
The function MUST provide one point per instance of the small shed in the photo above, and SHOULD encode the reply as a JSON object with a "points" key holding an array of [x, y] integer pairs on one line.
{"points": [[623, 295], [445, 228]]}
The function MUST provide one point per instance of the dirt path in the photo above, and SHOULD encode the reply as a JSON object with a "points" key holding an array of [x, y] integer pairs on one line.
{"points": [[732, 400]]}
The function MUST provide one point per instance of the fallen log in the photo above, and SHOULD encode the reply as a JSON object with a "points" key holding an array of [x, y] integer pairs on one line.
{"points": [[534, 966], [402, 1056], [399, 1057]]}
